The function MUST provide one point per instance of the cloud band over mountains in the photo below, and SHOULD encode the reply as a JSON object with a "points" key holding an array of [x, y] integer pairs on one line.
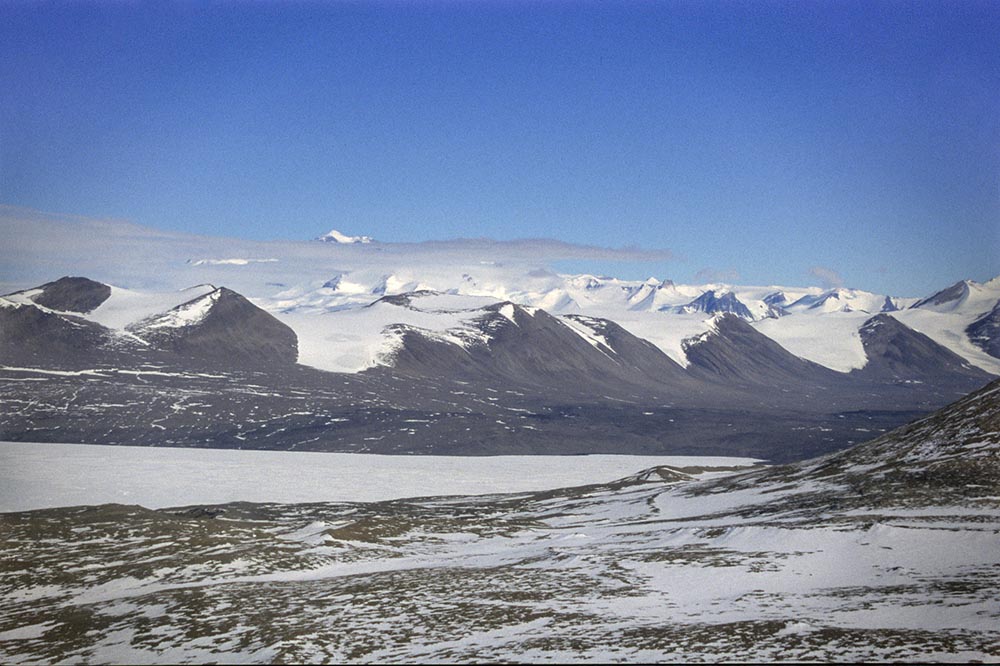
{"points": [[39, 245]]}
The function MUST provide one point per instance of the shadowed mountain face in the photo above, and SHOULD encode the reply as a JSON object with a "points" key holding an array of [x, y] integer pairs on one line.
{"points": [[985, 332], [516, 345], [898, 353], [41, 327], [736, 351], [632, 352], [72, 294], [33, 336], [953, 293], [221, 328], [889, 306]]}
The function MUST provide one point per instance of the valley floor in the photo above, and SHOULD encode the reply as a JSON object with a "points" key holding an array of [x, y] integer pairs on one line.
{"points": [[657, 567]]}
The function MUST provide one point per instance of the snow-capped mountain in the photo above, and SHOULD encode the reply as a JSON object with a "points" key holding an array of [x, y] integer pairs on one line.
{"points": [[966, 295], [334, 236], [843, 300], [821, 326], [711, 302], [216, 328]]}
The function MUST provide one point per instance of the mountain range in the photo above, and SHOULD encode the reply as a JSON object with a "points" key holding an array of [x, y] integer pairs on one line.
{"points": [[391, 364]]}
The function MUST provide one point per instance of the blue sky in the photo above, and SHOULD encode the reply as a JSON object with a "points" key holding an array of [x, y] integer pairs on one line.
{"points": [[764, 142]]}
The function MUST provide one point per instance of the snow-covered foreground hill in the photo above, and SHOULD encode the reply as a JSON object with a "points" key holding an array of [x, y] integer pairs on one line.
{"points": [[36, 475], [887, 551]]}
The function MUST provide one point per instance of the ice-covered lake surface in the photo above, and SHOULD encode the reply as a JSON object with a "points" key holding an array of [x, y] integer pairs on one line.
{"points": [[37, 475]]}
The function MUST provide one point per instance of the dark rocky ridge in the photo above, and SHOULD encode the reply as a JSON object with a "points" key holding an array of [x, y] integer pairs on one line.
{"points": [[736, 351], [634, 353], [532, 347], [947, 295], [233, 333], [30, 335], [73, 294], [985, 332], [951, 456], [898, 353]]}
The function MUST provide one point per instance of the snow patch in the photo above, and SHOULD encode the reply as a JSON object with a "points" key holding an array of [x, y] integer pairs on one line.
{"points": [[584, 327], [507, 310], [188, 314], [126, 306]]}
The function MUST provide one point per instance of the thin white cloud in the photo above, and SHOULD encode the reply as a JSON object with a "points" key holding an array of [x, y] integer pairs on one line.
{"points": [[828, 277], [716, 275], [39, 247], [229, 262]]}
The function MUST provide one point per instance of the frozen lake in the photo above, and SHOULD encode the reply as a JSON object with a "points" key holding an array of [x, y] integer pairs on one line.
{"points": [[36, 476]]}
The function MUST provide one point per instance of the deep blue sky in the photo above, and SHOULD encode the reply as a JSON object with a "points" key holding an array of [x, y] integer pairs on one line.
{"points": [[755, 140]]}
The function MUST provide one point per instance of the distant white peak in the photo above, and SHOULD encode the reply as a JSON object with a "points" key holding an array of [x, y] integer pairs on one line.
{"points": [[229, 262], [775, 298], [585, 281], [557, 300], [716, 301], [840, 300], [950, 297], [655, 283], [393, 284], [335, 236]]}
